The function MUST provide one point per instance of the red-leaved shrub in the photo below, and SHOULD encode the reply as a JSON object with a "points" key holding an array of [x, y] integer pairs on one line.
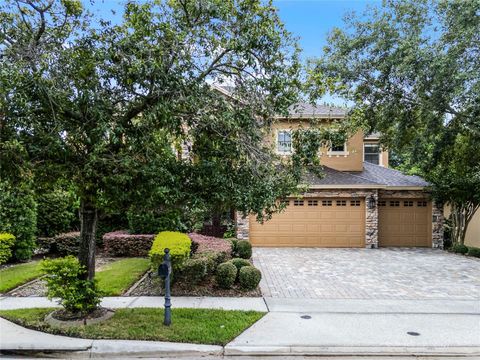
{"points": [[121, 243], [204, 244]]}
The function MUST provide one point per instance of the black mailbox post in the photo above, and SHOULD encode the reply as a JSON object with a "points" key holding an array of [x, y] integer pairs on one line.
{"points": [[164, 271]]}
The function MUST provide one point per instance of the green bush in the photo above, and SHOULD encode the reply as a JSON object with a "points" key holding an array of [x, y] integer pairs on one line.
{"points": [[64, 281], [459, 249], [57, 213], [67, 243], [244, 249], [226, 275], [211, 261], [233, 241], [18, 216], [6, 244], [179, 245], [474, 251], [194, 270], [249, 277], [239, 263]]}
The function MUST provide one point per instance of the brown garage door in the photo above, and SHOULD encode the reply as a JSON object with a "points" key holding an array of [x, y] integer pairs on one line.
{"points": [[313, 223], [404, 222]]}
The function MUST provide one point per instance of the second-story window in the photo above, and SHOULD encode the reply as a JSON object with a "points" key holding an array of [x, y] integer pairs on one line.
{"points": [[372, 153], [284, 142]]}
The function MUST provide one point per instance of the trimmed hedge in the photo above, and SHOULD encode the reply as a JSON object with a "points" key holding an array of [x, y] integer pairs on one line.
{"points": [[474, 251], [18, 216], [195, 270], [67, 243], [202, 243], [226, 275], [459, 249], [179, 245], [122, 243], [244, 249], [6, 244], [249, 277]]}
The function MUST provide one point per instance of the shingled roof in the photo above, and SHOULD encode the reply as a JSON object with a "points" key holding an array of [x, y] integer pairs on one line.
{"points": [[374, 176], [303, 109]]}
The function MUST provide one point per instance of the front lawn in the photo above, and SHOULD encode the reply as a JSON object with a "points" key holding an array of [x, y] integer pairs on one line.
{"points": [[16, 275], [118, 276], [202, 326]]}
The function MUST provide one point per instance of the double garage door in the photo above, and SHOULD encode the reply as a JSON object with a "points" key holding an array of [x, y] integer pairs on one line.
{"points": [[341, 223], [313, 223]]}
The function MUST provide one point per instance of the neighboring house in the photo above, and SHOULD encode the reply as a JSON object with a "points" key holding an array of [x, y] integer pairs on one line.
{"points": [[472, 237], [359, 203]]}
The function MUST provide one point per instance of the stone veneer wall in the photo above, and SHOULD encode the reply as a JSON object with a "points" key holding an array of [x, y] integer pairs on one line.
{"points": [[242, 226]]}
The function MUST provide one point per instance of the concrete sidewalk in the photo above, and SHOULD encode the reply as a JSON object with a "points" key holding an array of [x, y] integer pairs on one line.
{"points": [[238, 303]]}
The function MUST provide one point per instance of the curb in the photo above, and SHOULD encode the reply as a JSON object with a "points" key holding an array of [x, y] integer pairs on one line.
{"points": [[335, 351]]}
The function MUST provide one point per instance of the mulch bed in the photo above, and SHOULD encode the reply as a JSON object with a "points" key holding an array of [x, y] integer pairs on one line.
{"points": [[152, 286]]}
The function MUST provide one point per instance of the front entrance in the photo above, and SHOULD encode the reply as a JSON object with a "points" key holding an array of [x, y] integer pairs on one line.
{"points": [[404, 222], [313, 222]]}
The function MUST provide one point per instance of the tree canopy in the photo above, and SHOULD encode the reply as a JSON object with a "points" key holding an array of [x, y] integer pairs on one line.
{"points": [[108, 106], [412, 71]]}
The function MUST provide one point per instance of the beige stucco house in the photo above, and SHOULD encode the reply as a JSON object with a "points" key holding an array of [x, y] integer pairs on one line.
{"points": [[360, 202]]}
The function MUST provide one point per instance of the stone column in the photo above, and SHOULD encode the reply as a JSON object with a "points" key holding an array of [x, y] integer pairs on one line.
{"points": [[242, 226], [437, 225], [371, 222]]}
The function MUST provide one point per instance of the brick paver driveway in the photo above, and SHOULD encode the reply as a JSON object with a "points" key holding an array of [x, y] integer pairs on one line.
{"points": [[392, 273]]}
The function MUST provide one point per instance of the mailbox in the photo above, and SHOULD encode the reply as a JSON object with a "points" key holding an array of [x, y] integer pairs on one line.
{"points": [[163, 270]]}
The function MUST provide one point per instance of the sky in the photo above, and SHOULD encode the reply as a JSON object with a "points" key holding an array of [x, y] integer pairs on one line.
{"points": [[309, 20]]}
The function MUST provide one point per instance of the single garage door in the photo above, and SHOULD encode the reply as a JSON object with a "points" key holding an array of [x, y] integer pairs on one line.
{"points": [[313, 223], [404, 222]]}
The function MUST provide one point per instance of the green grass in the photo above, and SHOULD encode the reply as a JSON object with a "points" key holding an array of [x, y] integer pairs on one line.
{"points": [[17, 275], [202, 326], [117, 277]]}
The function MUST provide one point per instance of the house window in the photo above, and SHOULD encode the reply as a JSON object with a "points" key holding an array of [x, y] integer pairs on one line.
{"points": [[285, 202], [382, 203], [284, 142], [408, 203], [298, 203], [421, 203], [354, 202], [338, 147], [326, 202], [341, 203], [395, 203], [371, 153], [312, 202]]}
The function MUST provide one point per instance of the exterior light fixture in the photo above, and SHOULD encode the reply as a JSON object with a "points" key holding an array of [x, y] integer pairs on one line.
{"points": [[371, 202]]}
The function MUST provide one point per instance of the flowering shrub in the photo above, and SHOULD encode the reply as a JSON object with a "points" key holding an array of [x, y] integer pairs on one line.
{"points": [[121, 243], [204, 244]]}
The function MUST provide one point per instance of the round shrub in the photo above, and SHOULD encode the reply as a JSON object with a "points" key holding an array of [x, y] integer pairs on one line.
{"points": [[226, 275], [6, 243], [18, 214], [249, 277], [244, 249], [194, 270], [239, 263], [460, 249], [473, 251]]}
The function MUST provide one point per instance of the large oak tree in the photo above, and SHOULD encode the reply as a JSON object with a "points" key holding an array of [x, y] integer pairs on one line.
{"points": [[107, 106]]}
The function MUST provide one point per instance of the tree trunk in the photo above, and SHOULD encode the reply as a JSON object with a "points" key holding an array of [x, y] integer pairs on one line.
{"points": [[461, 216], [88, 228]]}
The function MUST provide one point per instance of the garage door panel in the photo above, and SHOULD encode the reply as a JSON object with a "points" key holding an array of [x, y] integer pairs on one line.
{"points": [[404, 225], [313, 226]]}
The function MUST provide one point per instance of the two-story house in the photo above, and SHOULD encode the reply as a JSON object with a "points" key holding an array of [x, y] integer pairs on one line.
{"points": [[360, 202]]}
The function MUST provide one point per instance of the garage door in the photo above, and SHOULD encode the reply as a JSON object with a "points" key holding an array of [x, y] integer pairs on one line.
{"points": [[404, 222], [313, 223]]}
